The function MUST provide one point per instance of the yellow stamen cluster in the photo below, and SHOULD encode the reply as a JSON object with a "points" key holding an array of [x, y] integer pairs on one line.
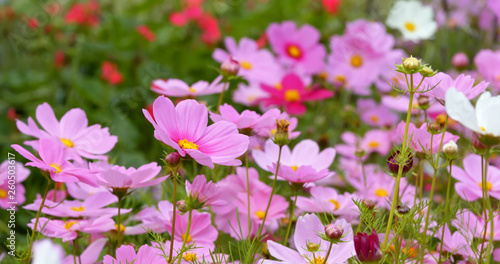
{"points": [[186, 144], [381, 192], [69, 224], [410, 26], [67, 142], [294, 51], [246, 65], [190, 256], [78, 209], [260, 214], [356, 61], [335, 202], [489, 185], [56, 166], [189, 238], [292, 95]]}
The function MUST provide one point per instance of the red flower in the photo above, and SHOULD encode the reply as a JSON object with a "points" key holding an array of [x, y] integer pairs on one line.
{"points": [[11, 114], [110, 73], [146, 33], [33, 23], [262, 41], [83, 13], [331, 6], [368, 247], [59, 57]]}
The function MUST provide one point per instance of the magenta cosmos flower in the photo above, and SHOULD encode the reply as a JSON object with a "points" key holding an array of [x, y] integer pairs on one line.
{"points": [[8, 173], [119, 177], [202, 193], [470, 185], [255, 64], [184, 127], [145, 255], [72, 132], [304, 164], [292, 94], [306, 232], [53, 159], [297, 47], [178, 88]]}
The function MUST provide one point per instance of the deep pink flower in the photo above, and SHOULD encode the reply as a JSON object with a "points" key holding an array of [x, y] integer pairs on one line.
{"points": [[203, 193], [293, 94], [178, 88], [184, 128], [146, 33], [72, 132], [83, 13], [297, 47], [368, 247], [119, 177], [247, 118], [110, 73], [331, 6], [127, 254], [470, 185], [306, 231], [53, 159], [10, 173]]}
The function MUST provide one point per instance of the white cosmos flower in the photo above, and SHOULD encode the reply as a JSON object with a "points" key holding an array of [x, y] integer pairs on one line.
{"points": [[483, 119], [414, 20]]}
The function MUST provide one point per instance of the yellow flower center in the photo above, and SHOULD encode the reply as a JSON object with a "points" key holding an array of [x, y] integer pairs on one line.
{"points": [[246, 65], [356, 61], [69, 224], [294, 51], [78, 209], [323, 75], [335, 202], [318, 260], [192, 90], [482, 128], [381, 192], [190, 256], [67, 142], [294, 167], [273, 131], [373, 144], [374, 118], [251, 98], [122, 228], [340, 80], [489, 186], [498, 75], [186, 144], [292, 95], [57, 167], [189, 238], [278, 86], [410, 26], [260, 214], [3, 194]]}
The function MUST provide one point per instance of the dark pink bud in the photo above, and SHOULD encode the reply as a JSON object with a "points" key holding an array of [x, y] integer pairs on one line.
{"points": [[173, 159], [334, 231], [230, 66], [368, 247], [460, 61]]}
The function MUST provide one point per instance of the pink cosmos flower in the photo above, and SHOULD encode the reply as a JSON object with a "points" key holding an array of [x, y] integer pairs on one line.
{"points": [[269, 132], [304, 164], [201, 233], [255, 64], [375, 114], [483, 60], [247, 119], [248, 95], [421, 138], [93, 206], [178, 88], [119, 177], [454, 244], [184, 128], [82, 191], [471, 225], [110, 73], [400, 104], [470, 185], [328, 200], [202, 192], [146, 33], [54, 160], [12, 173], [373, 141], [463, 83], [72, 132], [198, 254], [297, 47], [293, 94], [145, 255], [306, 231], [68, 230], [158, 220]]}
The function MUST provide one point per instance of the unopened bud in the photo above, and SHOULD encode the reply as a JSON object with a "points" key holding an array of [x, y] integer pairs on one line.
{"points": [[370, 204], [411, 64], [182, 206], [281, 137], [173, 159], [230, 66], [360, 152], [312, 247], [423, 102], [393, 162], [441, 119], [427, 71], [434, 128], [450, 149], [460, 61], [403, 209], [333, 231]]}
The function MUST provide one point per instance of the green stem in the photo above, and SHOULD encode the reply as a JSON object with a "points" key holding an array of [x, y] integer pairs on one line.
{"points": [[221, 97], [436, 165], [257, 236], [37, 218], [186, 236], [445, 211], [484, 194], [328, 253], [417, 180], [492, 224], [248, 196], [171, 251], [359, 226], [290, 219]]}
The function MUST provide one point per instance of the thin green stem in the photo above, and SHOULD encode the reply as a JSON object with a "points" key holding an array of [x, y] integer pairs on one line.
{"points": [[484, 194], [417, 180], [328, 253], [171, 251], [492, 223], [436, 166], [221, 97], [257, 236], [118, 225], [360, 222], [445, 211], [37, 218], [248, 196], [290, 219], [186, 235]]}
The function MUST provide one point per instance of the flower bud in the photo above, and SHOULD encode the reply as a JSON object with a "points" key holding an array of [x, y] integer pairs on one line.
{"points": [[411, 64], [460, 61], [281, 136], [312, 247], [393, 163], [450, 149], [173, 159], [368, 247], [333, 231], [370, 204], [230, 66], [360, 152], [403, 209], [182, 206], [434, 128], [423, 102], [427, 71]]}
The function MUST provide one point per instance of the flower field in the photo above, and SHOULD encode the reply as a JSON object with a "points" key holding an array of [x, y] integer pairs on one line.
{"points": [[250, 131]]}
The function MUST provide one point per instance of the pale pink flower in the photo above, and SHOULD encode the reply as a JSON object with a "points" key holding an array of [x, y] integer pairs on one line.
{"points": [[158, 220], [463, 83], [248, 95], [373, 141], [69, 229], [454, 243], [269, 132], [202, 192], [119, 177], [470, 184], [178, 88], [374, 114], [184, 128], [247, 119], [484, 60], [12, 171], [201, 233], [328, 200], [421, 138], [145, 255]]}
